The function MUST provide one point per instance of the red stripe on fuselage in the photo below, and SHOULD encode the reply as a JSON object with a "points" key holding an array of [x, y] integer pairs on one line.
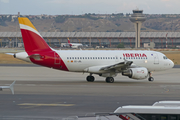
{"points": [[35, 44]]}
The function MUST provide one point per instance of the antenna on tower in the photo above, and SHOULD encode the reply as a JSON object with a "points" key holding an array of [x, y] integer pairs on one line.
{"points": [[137, 8]]}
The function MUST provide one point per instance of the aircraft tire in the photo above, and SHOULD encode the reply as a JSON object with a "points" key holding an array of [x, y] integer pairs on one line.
{"points": [[151, 79], [109, 79], [90, 78]]}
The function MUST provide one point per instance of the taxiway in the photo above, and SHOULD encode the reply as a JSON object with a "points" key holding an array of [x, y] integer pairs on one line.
{"points": [[44, 93]]}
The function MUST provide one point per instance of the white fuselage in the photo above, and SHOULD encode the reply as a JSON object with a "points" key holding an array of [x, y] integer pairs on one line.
{"points": [[75, 45], [77, 61]]}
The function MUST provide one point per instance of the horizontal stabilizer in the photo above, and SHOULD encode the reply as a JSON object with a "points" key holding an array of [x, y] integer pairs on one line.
{"points": [[35, 56], [9, 53]]}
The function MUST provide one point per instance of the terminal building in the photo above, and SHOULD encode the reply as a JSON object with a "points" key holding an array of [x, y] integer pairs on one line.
{"points": [[106, 39]]}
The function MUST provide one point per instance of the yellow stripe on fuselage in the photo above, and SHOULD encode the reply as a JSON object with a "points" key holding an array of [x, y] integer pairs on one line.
{"points": [[26, 21]]}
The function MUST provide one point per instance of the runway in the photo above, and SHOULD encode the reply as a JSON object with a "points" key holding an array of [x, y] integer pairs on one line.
{"points": [[44, 93]]}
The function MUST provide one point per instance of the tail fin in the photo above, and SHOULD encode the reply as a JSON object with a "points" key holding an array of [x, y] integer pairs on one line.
{"points": [[33, 41], [11, 87], [68, 41]]}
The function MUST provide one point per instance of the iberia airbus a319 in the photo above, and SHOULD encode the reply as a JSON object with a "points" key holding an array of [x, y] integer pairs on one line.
{"points": [[135, 64]]}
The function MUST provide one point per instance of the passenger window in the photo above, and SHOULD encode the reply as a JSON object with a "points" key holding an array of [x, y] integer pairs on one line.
{"points": [[90, 57], [67, 57], [113, 57], [75, 58], [85, 57], [80, 57], [72, 57], [108, 57]]}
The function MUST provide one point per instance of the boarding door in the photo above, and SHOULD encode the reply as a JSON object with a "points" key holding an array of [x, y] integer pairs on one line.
{"points": [[57, 59], [156, 60]]}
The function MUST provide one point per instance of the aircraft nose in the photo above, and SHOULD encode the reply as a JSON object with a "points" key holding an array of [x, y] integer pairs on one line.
{"points": [[171, 63]]}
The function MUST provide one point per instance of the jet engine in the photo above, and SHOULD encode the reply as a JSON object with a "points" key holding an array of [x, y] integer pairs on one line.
{"points": [[136, 73]]}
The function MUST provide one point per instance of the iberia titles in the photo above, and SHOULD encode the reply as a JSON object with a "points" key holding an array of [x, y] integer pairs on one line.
{"points": [[134, 55]]}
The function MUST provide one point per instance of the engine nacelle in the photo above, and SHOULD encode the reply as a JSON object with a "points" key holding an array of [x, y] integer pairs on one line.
{"points": [[136, 73]]}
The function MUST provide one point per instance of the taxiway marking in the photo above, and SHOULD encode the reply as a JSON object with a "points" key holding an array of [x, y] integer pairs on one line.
{"points": [[41, 104]]}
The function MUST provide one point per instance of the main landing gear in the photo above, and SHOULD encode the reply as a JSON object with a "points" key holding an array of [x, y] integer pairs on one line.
{"points": [[150, 77], [109, 79], [90, 78]]}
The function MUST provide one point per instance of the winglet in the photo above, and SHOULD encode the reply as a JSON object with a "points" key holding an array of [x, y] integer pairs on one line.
{"points": [[11, 87]]}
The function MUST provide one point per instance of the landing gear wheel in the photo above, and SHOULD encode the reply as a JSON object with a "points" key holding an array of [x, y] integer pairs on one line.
{"points": [[90, 78], [151, 79], [109, 79]]}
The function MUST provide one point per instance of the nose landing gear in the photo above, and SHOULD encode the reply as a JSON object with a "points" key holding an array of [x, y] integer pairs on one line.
{"points": [[150, 77], [90, 78], [109, 79]]}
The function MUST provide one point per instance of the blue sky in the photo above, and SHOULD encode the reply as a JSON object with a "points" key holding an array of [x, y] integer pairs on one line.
{"points": [[59, 7]]}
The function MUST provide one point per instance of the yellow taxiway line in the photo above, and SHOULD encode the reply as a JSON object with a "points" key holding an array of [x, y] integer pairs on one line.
{"points": [[40, 104]]}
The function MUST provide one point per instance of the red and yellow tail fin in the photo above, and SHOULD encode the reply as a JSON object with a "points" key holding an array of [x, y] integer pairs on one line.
{"points": [[33, 41], [68, 41]]}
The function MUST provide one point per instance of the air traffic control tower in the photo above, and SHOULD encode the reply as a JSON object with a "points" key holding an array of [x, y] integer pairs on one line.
{"points": [[137, 18]]}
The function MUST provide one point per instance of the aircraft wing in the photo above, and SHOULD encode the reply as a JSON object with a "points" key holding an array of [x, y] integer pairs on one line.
{"points": [[121, 65], [118, 66]]}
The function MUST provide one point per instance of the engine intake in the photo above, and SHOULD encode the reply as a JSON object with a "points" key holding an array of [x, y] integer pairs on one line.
{"points": [[136, 73]]}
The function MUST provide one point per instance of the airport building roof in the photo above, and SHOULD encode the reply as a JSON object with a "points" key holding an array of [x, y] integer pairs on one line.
{"points": [[97, 34]]}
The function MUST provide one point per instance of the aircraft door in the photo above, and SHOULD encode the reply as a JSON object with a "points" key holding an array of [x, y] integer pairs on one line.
{"points": [[57, 59], [156, 59]]}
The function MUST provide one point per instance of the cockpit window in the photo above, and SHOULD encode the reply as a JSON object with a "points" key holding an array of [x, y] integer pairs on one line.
{"points": [[165, 57]]}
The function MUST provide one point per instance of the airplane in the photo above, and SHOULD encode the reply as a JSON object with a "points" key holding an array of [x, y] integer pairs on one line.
{"points": [[74, 45], [135, 64], [11, 87]]}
